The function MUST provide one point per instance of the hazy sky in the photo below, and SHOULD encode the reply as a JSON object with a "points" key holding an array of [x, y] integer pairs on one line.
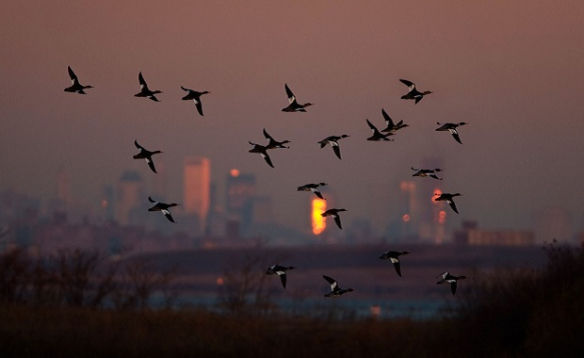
{"points": [[514, 70]]}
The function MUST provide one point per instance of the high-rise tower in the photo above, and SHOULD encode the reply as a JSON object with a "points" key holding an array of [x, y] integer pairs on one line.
{"points": [[197, 189]]}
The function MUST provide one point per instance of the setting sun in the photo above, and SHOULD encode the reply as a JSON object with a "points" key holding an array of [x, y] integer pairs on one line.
{"points": [[318, 222]]}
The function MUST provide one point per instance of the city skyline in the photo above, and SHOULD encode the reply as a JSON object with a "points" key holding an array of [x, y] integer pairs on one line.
{"points": [[418, 220], [512, 71]]}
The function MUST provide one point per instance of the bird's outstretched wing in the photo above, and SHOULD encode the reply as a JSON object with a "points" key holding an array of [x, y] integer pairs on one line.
{"points": [[453, 206], [267, 159], [338, 221], [168, 216], [331, 281], [291, 97], [454, 133], [141, 80], [283, 279], [336, 149], [410, 84], [72, 75], [199, 106]]}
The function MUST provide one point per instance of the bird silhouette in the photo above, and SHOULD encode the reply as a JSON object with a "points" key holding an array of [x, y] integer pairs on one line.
{"points": [[75, 85]]}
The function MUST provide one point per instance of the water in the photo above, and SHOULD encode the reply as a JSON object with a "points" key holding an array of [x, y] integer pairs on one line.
{"points": [[338, 307]]}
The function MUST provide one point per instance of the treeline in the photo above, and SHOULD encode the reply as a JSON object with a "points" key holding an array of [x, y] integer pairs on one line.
{"points": [[507, 313], [527, 312], [76, 278]]}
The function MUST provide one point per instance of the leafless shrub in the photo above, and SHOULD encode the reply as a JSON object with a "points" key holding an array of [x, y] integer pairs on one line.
{"points": [[137, 283], [244, 288], [76, 278], [526, 312], [14, 275]]}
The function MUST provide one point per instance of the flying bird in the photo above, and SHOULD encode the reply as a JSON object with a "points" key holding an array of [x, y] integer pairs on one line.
{"points": [[333, 141], [447, 197], [452, 280], [145, 91], [195, 97], [146, 154], [280, 271], [451, 127], [272, 143], [335, 214], [389, 125], [313, 187], [75, 85], [263, 151], [413, 93], [335, 289], [426, 173], [377, 135], [162, 207], [293, 105], [393, 256]]}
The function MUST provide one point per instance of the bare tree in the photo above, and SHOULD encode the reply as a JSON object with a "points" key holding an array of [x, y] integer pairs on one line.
{"points": [[244, 288]]}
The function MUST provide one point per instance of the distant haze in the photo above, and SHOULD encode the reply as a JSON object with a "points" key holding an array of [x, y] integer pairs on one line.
{"points": [[513, 70]]}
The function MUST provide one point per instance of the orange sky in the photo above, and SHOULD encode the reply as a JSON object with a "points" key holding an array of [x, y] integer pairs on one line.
{"points": [[512, 69]]}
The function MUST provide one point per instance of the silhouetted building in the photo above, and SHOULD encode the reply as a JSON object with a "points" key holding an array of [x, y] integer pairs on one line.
{"points": [[432, 214], [382, 210], [262, 210], [241, 190], [197, 190], [409, 215], [470, 234], [130, 198]]}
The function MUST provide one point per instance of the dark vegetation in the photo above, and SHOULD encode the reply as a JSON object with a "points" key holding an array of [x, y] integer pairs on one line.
{"points": [[79, 304]]}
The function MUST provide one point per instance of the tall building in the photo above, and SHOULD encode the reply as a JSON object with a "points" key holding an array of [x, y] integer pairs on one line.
{"points": [[197, 189], [410, 209], [432, 214], [240, 192], [130, 198]]}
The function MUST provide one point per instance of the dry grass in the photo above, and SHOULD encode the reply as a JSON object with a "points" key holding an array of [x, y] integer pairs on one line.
{"points": [[74, 332], [508, 313]]}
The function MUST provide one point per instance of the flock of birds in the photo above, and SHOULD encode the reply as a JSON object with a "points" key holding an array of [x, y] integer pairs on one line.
{"points": [[333, 141]]}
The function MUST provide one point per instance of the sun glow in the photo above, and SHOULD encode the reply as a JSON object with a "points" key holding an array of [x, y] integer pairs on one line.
{"points": [[318, 222], [441, 217], [437, 192]]}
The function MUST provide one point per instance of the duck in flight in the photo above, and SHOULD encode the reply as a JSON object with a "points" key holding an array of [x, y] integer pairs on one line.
{"points": [[447, 197], [272, 143], [335, 214], [280, 271], [452, 280], [333, 141], [313, 187], [451, 127], [389, 125], [393, 256], [75, 85], [263, 151], [377, 135], [426, 173], [163, 208], [293, 105], [146, 154], [195, 97], [145, 91], [413, 93], [335, 289]]}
